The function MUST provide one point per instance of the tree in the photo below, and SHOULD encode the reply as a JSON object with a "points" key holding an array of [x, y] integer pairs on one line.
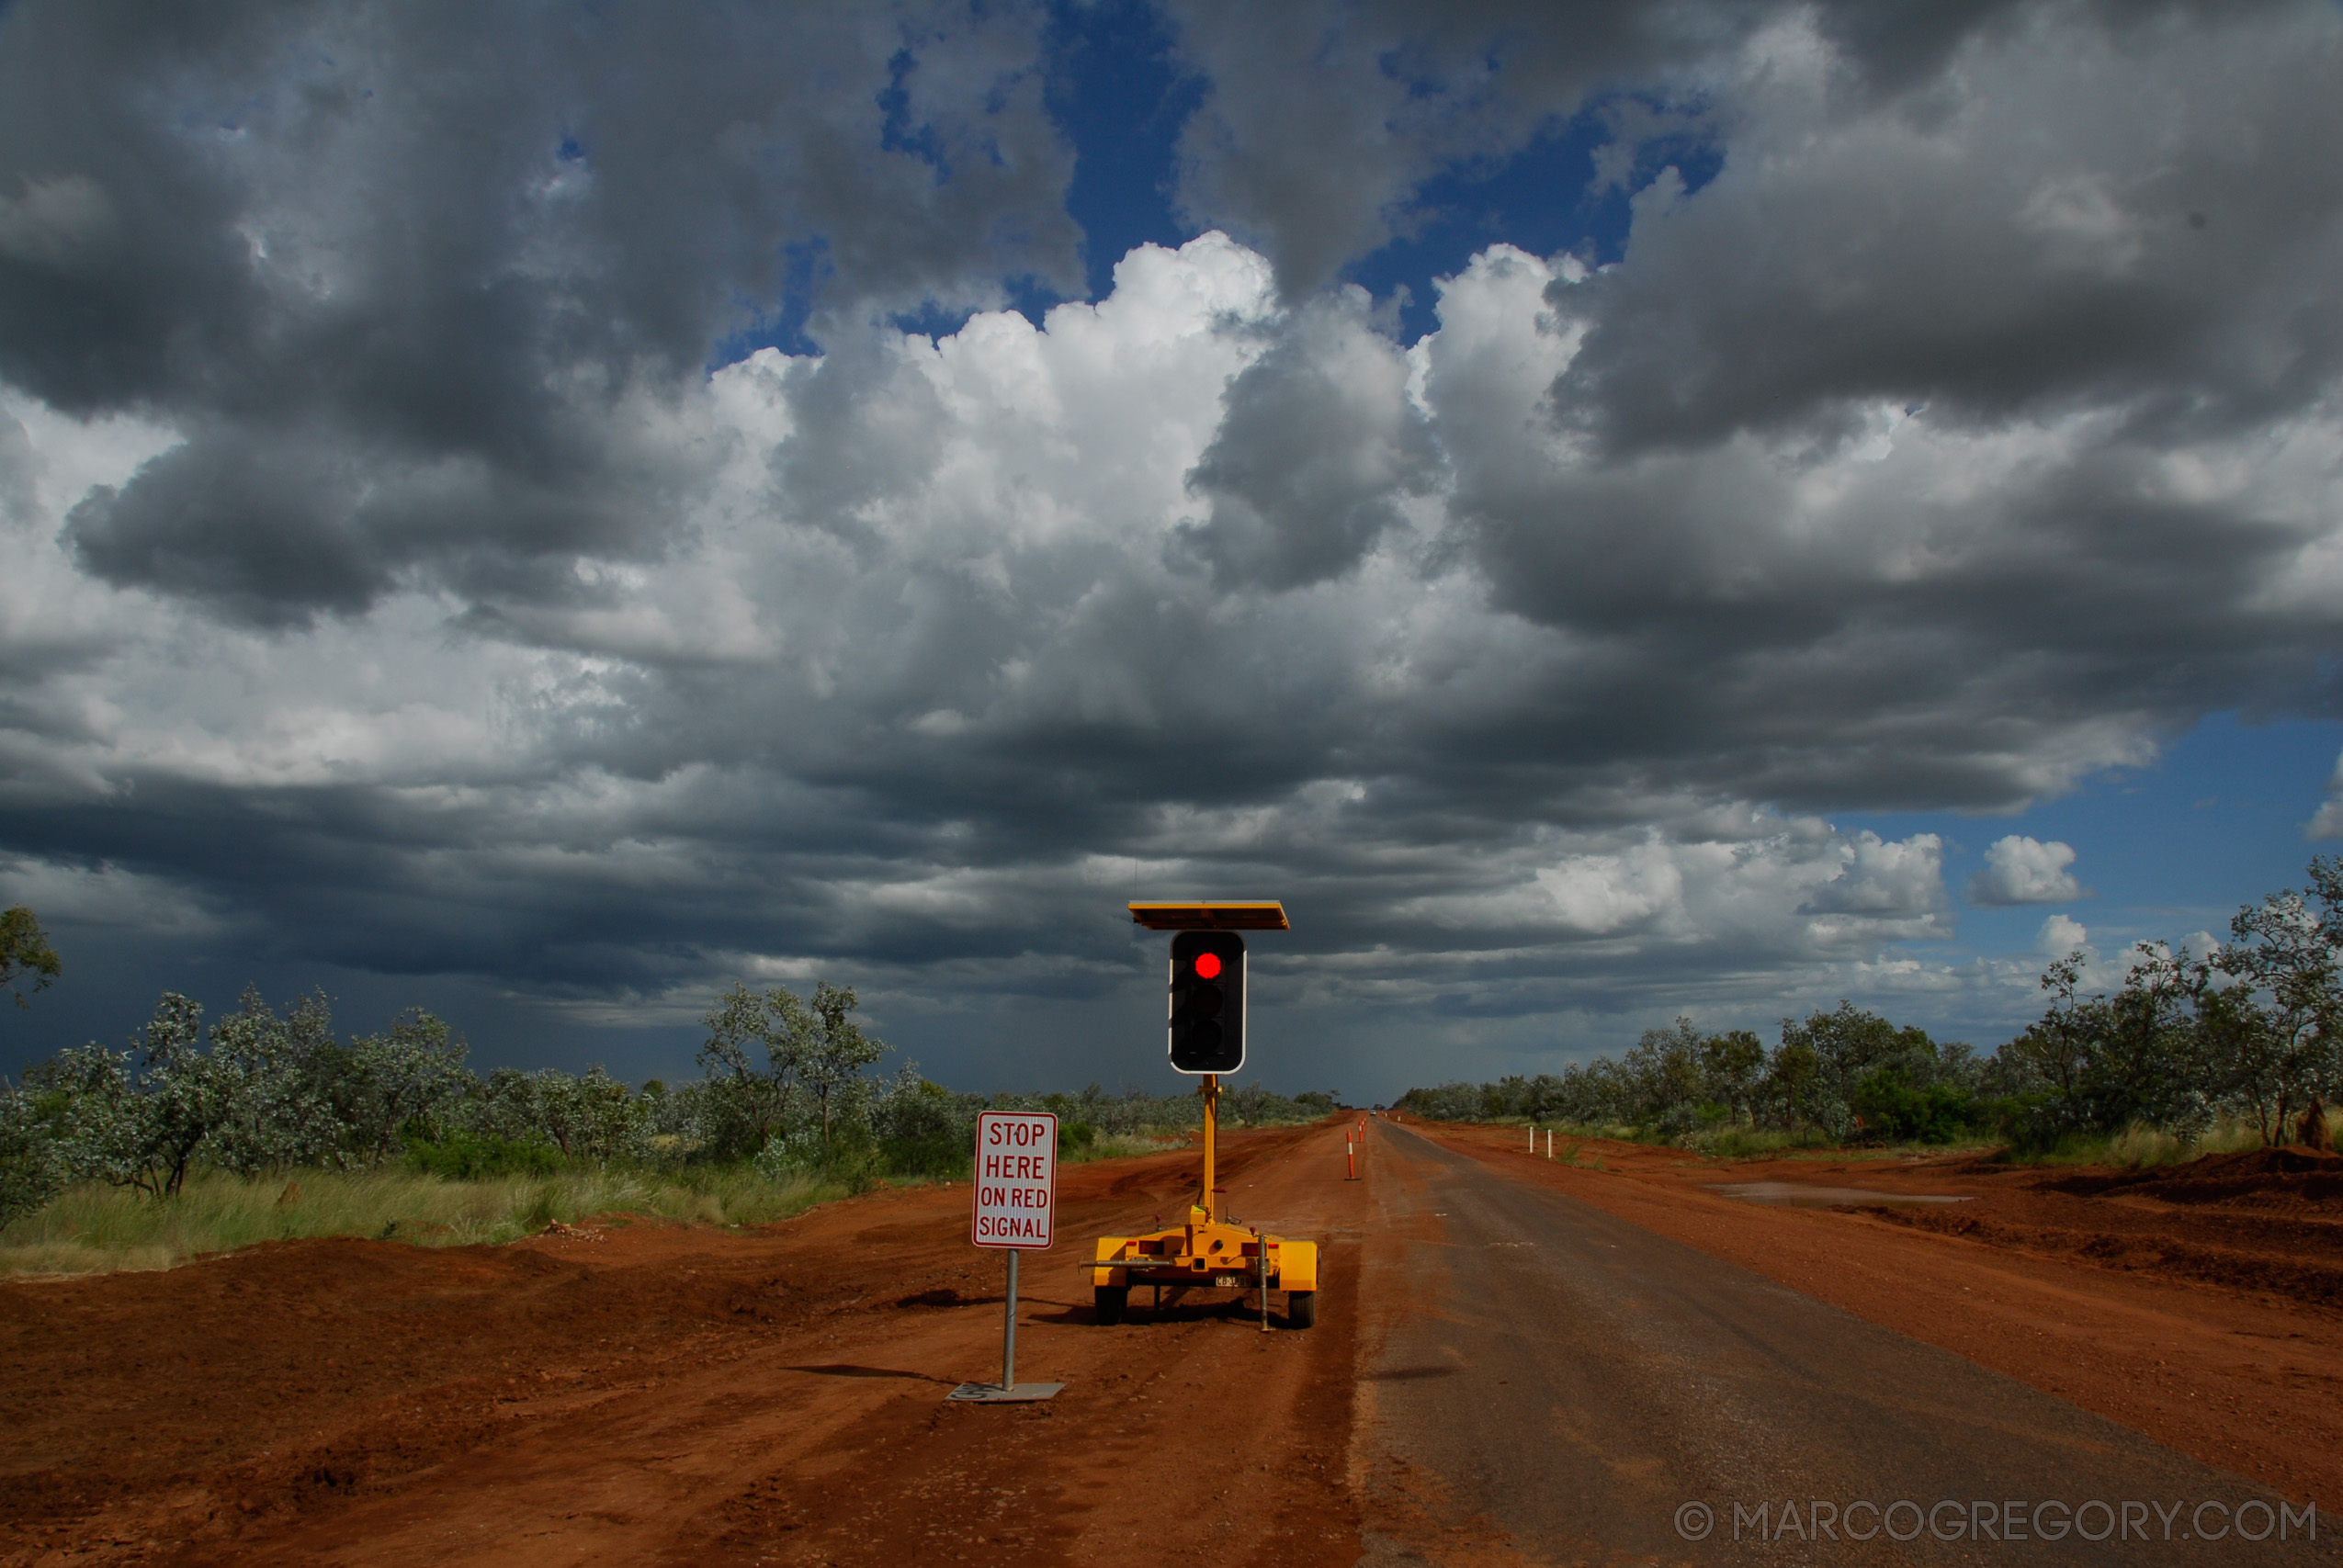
{"points": [[1892, 1106], [89, 1099], [1823, 1060], [2290, 951], [32, 1164], [414, 1073], [835, 1053], [2249, 1060], [1663, 1069], [284, 1110], [140, 1127], [927, 1130], [263, 1092], [2148, 1071], [592, 1117], [2104, 1063], [1732, 1065], [185, 1093], [747, 1104], [25, 950], [2055, 1052], [1791, 1089]]}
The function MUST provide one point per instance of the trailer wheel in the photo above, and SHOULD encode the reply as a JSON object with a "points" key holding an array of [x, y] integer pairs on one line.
{"points": [[1301, 1308], [1113, 1300]]}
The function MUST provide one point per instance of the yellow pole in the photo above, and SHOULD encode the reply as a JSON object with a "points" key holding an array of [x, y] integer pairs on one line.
{"points": [[1211, 1092]]}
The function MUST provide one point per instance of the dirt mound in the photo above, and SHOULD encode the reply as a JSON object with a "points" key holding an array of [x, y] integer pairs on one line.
{"points": [[2311, 1176], [2264, 1270]]}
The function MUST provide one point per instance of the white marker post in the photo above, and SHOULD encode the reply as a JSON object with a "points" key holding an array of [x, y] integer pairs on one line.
{"points": [[1016, 1198]]}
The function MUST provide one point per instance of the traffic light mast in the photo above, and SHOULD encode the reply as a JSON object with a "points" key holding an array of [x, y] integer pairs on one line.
{"points": [[1205, 1038], [1210, 1091]]}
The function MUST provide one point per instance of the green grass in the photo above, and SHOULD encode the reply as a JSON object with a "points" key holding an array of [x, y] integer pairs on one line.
{"points": [[2139, 1145], [1750, 1142], [1618, 1133], [96, 1228], [1123, 1146], [2136, 1146]]}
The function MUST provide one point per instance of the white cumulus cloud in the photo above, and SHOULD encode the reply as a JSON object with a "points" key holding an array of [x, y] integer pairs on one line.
{"points": [[2060, 935], [2020, 870], [2329, 821]]}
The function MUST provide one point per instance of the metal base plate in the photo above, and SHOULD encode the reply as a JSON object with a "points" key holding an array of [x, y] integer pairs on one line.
{"points": [[993, 1393]]}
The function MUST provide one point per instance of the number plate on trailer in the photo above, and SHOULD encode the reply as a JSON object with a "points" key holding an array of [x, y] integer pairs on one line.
{"points": [[1228, 1282]]}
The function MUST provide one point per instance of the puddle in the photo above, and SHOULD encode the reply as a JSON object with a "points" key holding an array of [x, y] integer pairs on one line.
{"points": [[1803, 1196]]}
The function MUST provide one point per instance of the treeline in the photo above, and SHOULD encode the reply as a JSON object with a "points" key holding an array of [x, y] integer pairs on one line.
{"points": [[2252, 1030], [787, 1084]]}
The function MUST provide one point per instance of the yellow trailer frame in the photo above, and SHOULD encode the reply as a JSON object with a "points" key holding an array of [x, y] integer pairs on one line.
{"points": [[1212, 1250]]}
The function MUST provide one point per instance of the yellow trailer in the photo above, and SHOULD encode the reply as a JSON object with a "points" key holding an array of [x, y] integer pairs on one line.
{"points": [[1212, 1250]]}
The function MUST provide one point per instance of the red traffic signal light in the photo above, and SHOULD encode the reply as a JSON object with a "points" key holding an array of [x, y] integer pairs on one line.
{"points": [[1207, 1010]]}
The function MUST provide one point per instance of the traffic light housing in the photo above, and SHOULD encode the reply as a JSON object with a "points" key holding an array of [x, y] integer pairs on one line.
{"points": [[1207, 1007]]}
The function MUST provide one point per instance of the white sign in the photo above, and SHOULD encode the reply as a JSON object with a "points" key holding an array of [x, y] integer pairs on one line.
{"points": [[1016, 1177]]}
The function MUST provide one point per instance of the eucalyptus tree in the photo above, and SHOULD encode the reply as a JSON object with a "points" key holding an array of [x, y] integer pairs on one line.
{"points": [[413, 1074], [749, 1101], [137, 1118], [25, 950], [284, 1108], [593, 1117], [32, 1161], [834, 1053], [2288, 1064]]}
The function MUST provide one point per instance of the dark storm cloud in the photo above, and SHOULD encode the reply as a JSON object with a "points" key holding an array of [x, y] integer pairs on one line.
{"points": [[1932, 454], [1403, 89], [2012, 249], [2031, 284], [1735, 641], [273, 524], [1319, 178], [17, 497], [262, 529], [377, 247]]}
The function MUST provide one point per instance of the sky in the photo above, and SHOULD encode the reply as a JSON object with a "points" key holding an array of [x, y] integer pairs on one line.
{"points": [[1609, 512]]}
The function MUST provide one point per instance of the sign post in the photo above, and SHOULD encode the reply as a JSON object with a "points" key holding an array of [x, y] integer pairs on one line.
{"points": [[1016, 1198]]}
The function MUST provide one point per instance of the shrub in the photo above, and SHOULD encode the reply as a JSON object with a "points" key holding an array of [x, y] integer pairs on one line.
{"points": [[459, 1155], [1892, 1109], [32, 1167]]}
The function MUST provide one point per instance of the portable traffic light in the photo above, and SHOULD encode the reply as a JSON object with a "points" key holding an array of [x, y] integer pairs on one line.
{"points": [[1208, 1002]]}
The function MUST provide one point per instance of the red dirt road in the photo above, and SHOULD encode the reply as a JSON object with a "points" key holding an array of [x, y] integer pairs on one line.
{"points": [[654, 1394], [2205, 1310]]}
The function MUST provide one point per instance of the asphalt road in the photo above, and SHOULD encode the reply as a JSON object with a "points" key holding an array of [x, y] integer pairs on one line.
{"points": [[1544, 1383]]}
